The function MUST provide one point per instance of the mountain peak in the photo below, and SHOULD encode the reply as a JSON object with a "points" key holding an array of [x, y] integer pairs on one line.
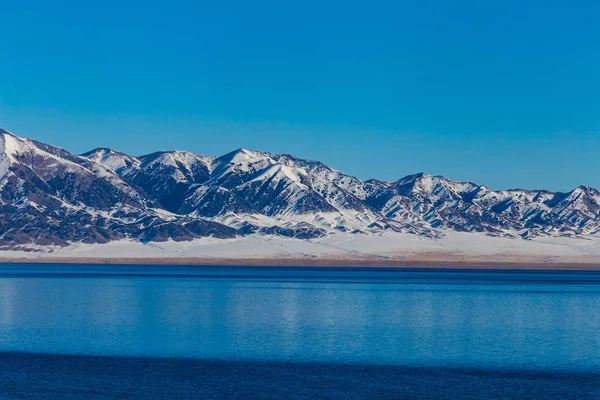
{"points": [[415, 177], [109, 158], [238, 156], [106, 195], [586, 188], [102, 151], [11, 144], [245, 153], [5, 132]]}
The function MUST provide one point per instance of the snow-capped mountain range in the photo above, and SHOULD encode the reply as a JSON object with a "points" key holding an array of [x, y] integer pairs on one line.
{"points": [[50, 197]]}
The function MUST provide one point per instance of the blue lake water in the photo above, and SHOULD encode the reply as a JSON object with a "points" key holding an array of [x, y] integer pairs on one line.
{"points": [[500, 319]]}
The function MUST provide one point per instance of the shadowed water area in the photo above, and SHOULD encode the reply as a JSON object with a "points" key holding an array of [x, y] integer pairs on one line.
{"points": [[218, 332]]}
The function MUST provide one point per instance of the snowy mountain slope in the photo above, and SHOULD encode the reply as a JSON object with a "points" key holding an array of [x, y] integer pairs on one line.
{"points": [[464, 206], [165, 176], [51, 197], [282, 186], [248, 182]]}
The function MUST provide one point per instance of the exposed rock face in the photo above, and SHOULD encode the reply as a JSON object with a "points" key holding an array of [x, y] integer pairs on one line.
{"points": [[49, 196]]}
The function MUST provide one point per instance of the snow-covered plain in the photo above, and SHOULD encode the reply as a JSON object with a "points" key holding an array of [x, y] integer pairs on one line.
{"points": [[391, 246]]}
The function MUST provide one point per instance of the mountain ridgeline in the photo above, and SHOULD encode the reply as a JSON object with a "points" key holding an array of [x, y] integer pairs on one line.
{"points": [[50, 197]]}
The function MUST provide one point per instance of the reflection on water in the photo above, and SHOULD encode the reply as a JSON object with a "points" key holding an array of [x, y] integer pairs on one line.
{"points": [[419, 318]]}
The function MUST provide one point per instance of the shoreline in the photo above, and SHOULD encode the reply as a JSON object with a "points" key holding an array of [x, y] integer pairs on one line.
{"points": [[465, 263], [456, 250]]}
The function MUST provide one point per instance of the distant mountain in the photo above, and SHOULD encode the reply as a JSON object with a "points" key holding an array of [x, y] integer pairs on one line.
{"points": [[49, 196]]}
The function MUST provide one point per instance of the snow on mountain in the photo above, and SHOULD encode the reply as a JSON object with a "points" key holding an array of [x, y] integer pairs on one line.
{"points": [[113, 160], [51, 197]]}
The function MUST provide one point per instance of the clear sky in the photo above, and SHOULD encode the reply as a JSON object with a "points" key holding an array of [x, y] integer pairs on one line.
{"points": [[504, 93]]}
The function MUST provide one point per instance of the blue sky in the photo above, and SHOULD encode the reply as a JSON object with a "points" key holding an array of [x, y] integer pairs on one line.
{"points": [[505, 93]]}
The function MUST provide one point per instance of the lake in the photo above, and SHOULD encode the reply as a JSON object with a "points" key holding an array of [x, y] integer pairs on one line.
{"points": [[538, 321]]}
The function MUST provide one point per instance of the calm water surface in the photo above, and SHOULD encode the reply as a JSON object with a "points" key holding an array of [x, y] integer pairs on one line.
{"points": [[539, 320]]}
